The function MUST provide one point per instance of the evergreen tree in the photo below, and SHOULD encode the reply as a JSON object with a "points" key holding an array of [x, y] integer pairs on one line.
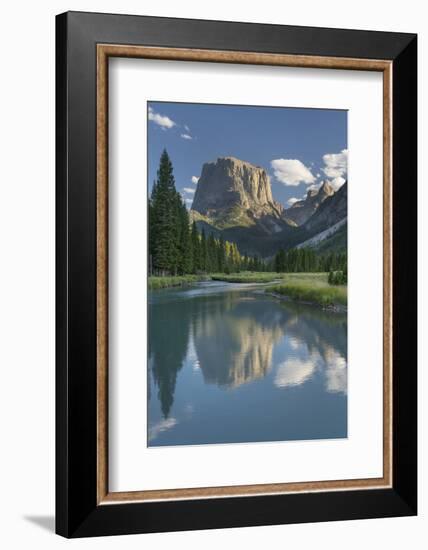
{"points": [[235, 258], [196, 248], [221, 255], [150, 213], [280, 261], [204, 254], [163, 224], [184, 255], [211, 254]]}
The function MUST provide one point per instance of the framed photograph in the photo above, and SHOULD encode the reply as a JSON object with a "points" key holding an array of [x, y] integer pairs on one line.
{"points": [[236, 274]]}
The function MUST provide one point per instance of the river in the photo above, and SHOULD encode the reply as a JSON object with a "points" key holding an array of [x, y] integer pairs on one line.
{"points": [[229, 364]]}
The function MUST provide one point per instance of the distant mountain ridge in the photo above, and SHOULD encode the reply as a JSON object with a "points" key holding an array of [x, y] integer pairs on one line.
{"points": [[330, 211], [302, 210]]}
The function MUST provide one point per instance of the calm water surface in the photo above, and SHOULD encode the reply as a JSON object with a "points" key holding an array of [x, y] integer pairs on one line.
{"points": [[228, 364]]}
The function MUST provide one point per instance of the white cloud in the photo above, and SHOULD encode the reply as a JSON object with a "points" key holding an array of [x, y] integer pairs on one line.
{"points": [[186, 136], [292, 201], [161, 120], [336, 164], [337, 182], [188, 201], [187, 128], [195, 179], [291, 172], [189, 190]]}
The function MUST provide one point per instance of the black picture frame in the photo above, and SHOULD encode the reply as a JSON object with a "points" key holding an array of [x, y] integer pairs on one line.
{"points": [[77, 511]]}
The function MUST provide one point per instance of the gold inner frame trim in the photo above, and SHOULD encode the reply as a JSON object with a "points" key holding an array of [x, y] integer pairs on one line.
{"points": [[104, 51]]}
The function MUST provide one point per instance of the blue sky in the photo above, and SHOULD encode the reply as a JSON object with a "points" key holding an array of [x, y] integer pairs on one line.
{"points": [[299, 148]]}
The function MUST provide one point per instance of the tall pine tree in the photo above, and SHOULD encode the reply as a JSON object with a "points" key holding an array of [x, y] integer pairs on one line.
{"points": [[184, 244], [196, 249], [164, 218]]}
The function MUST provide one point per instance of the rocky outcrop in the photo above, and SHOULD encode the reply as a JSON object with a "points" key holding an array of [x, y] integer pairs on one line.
{"points": [[302, 210], [330, 212], [234, 192]]}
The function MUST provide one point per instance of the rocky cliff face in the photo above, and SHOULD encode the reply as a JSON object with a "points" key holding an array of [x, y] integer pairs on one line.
{"points": [[234, 192], [302, 210], [330, 212]]}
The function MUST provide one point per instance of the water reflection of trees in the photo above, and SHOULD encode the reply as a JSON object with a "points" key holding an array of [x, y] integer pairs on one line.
{"points": [[235, 336], [169, 330]]}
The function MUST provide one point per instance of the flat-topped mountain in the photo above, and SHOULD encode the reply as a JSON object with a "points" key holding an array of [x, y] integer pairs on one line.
{"points": [[302, 210], [232, 192]]}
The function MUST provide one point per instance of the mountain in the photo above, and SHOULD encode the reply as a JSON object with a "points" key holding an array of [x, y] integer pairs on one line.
{"points": [[331, 211], [233, 200], [302, 210], [232, 192], [327, 228]]}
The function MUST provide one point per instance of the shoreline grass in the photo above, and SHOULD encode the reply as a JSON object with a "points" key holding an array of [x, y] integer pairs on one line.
{"points": [[322, 294], [158, 283], [246, 277]]}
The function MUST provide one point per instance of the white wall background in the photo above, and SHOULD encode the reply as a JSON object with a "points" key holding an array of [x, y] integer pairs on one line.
{"points": [[27, 272]]}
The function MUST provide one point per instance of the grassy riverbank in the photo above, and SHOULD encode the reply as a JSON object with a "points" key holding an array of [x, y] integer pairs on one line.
{"points": [[311, 287], [247, 277], [157, 283]]}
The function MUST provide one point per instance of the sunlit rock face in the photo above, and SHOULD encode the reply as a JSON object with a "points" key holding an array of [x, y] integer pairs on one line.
{"points": [[229, 182]]}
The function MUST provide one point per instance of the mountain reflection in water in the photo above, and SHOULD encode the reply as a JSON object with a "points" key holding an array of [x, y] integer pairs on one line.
{"points": [[229, 364]]}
